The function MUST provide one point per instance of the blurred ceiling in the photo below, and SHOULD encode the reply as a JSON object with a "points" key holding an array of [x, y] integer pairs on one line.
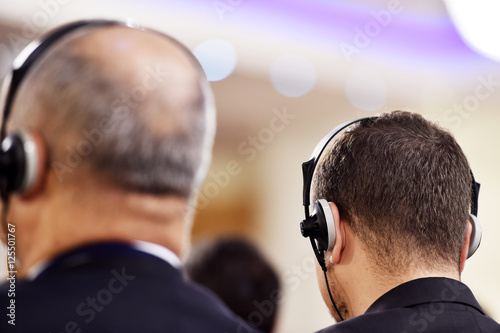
{"points": [[348, 57]]}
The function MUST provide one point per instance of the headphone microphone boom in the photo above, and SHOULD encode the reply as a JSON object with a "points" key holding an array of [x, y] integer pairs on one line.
{"points": [[319, 226]]}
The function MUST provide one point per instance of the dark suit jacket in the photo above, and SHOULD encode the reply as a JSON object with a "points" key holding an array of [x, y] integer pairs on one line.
{"points": [[427, 305], [114, 288]]}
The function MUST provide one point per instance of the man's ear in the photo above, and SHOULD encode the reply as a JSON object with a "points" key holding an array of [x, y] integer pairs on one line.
{"points": [[336, 253], [465, 245]]}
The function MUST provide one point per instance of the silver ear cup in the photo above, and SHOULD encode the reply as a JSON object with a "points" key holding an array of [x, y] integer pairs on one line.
{"points": [[31, 153], [322, 207], [20, 162], [477, 234]]}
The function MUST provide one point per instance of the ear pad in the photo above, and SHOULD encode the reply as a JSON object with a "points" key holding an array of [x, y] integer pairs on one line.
{"points": [[475, 238], [320, 226], [22, 162], [325, 217]]}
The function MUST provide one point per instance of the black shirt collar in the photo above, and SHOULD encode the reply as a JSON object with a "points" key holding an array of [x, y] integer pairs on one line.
{"points": [[426, 290]]}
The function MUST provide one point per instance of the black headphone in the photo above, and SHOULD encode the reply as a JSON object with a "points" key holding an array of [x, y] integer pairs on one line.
{"points": [[320, 227], [22, 155]]}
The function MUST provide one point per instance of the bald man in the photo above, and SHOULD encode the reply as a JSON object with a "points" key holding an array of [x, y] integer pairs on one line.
{"points": [[124, 119]]}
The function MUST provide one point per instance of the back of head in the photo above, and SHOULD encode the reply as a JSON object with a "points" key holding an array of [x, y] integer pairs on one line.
{"points": [[126, 105], [403, 185], [235, 270]]}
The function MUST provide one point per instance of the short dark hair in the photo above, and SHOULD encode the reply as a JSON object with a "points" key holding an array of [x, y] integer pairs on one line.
{"points": [[403, 185], [238, 273]]}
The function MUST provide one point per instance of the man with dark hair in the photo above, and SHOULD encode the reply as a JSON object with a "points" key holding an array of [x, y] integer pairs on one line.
{"points": [[399, 190], [127, 120], [237, 272]]}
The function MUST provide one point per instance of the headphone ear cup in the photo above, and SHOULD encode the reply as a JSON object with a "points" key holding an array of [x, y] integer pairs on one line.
{"points": [[36, 159], [326, 240], [475, 238], [25, 157]]}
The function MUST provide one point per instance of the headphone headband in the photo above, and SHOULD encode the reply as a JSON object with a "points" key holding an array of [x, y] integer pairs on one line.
{"points": [[30, 54], [475, 195], [309, 166]]}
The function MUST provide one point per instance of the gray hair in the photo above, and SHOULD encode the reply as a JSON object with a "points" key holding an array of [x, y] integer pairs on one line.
{"points": [[91, 116]]}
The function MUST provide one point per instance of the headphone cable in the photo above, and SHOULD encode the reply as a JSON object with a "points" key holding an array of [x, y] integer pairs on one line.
{"points": [[331, 297]]}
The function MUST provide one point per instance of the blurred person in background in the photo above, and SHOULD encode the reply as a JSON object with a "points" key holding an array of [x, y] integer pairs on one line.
{"points": [[399, 200], [235, 270], [121, 123]]}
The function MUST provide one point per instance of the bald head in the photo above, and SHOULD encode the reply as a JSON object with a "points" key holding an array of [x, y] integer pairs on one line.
{"points": [[149, 63], [132, 106]]}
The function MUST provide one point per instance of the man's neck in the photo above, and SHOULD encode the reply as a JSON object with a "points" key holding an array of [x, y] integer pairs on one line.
{"points": [[105, 216], [364, 289]]}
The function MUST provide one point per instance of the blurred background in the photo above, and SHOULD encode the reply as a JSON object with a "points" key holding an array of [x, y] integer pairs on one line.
{"points": [[284, 73]]}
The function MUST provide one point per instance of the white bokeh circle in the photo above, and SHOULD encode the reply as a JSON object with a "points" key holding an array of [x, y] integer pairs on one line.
{"points": [[366, 89], [292, 75], [217, 57]]}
